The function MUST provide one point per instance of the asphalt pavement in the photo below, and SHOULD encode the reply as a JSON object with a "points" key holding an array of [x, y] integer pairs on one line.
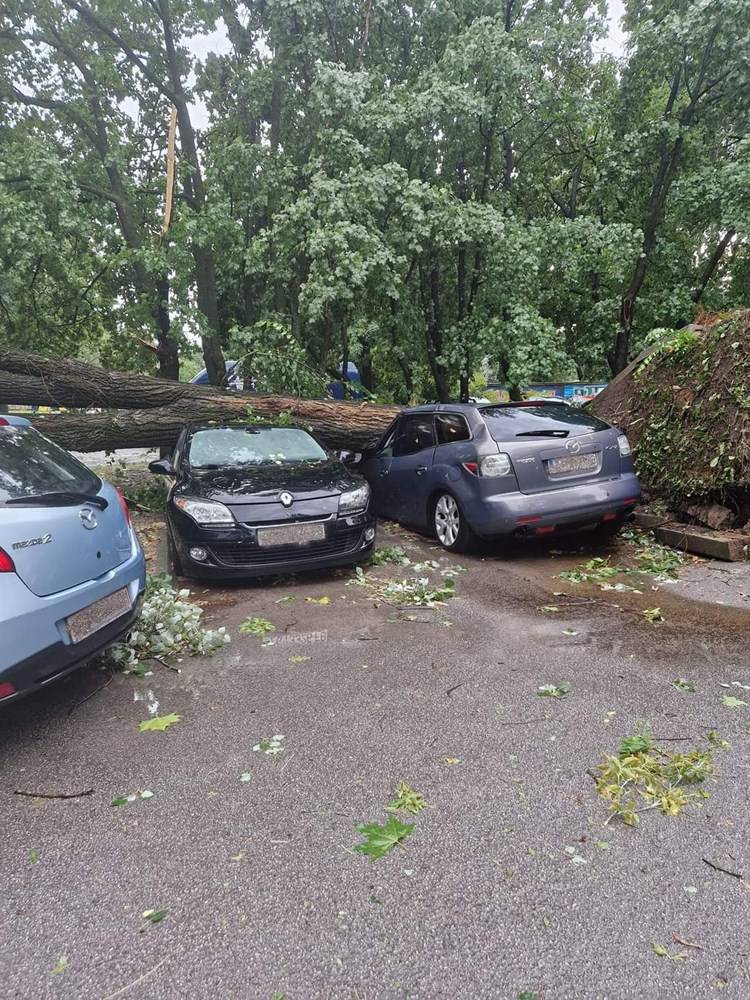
{"points": [[509, 885]]}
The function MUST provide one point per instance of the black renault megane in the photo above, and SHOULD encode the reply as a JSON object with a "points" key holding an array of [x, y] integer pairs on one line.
{"points": [[250, 500]]}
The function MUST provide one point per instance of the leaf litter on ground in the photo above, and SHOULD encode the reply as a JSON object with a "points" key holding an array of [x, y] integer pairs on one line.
{"points": [[257, 626], [159, 723], [554, 690], [406, 799], [379, 839]]}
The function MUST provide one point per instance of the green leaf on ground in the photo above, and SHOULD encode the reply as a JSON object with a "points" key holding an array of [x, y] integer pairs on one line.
{"points": [[159, 723], [652, 614], [299, 659], [245, 777], [33, 855], [406, 800], [569, 631], [553, 690], [550, 608], [380, 839], [731, 702], [662, 952], [257, 626], [62, 964], [154, 916], [318, 600], [684, 685]]}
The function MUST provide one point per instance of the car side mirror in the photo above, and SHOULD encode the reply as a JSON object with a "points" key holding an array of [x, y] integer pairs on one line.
{"points": [[348, 457], [161, 467]]}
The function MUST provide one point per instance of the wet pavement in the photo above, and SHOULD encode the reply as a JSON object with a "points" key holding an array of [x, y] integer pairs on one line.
{"points": [[509, 883]]}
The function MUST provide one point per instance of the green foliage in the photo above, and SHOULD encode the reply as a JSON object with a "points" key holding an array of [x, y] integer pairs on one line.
{"points": [[643, 776], [380, 839], [387, 554], [406, 800], [168, 625], [554, 690], [257, 626]]}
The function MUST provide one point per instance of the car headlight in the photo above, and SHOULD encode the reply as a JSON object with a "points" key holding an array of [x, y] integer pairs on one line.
{"points": [[624, 445], [205, 511], [495, 465], [354, 500]]}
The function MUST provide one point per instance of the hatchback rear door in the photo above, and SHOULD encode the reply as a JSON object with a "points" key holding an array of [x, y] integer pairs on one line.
{"points": [[552, 446], [56, 538]]}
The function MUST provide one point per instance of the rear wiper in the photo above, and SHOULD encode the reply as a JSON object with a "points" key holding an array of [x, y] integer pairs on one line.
{"points": [[548, 433], [62, 498]]}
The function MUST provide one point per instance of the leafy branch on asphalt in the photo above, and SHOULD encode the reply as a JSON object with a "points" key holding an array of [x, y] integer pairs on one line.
{"points": [[415, 592], [169, 625], [643, 776]]}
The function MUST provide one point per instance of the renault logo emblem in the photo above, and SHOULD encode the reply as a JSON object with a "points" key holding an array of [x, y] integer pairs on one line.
{"points": [[88, 518], [286, 499]]}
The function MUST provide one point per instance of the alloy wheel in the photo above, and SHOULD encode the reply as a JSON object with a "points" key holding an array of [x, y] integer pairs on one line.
{"points": [[447, 520]]}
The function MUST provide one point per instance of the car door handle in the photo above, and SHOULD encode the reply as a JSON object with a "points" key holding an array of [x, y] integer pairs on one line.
{"points": [[420, 469], [383, 472]]}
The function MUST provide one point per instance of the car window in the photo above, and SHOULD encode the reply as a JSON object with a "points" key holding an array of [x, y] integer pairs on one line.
{"points": [[507, 422], [30, 465], [234, 447], [415, 433], [451, 427], [385, 448]]}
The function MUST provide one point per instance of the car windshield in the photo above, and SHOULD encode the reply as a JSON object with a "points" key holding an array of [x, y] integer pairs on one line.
{"points": [[554, 419], [30, 465], [234, 447]]}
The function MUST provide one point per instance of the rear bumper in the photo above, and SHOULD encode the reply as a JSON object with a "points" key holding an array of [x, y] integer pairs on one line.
{"points": [[60, 659], [35, 647], [504, 514]]}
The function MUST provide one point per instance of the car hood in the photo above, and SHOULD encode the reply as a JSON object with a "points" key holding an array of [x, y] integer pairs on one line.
{"points": [[308, 481]]}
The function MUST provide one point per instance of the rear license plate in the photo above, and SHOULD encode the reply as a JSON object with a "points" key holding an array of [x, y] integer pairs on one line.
{"points": [[84, 623], [291, 534], [573, 463]]}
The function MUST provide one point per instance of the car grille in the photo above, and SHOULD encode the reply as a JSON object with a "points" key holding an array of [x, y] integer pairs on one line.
{"points": [[247, 554]]}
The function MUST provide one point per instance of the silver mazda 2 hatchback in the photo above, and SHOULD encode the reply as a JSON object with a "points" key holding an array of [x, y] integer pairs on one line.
{"points": [[529, 468], [71, 569]]}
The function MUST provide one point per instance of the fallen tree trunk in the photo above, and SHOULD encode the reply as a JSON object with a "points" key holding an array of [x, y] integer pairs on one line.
{"points": [[337, 425], [160, 408]]}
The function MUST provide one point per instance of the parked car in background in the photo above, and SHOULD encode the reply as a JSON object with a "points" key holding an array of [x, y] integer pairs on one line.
{"points": [[71, 569], [533, 467], [252, 500], [233, 377]]}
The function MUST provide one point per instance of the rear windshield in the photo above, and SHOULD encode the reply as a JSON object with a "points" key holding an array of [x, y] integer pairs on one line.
{"points": [[234, 447], [507, 422], [30, 465]]}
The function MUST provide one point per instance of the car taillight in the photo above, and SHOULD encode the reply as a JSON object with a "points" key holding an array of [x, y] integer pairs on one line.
{"points": [[4, 422], [472, 467], [495, 465], [6, 690], [6, 563], [123, 504]]}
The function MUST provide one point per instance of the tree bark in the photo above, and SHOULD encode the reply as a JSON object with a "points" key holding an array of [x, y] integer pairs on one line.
{"points": [[336, 424], [150, 412]]}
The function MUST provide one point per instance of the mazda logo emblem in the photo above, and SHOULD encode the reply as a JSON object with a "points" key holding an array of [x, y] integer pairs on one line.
{"points": [[87, 518], [286, 499]]}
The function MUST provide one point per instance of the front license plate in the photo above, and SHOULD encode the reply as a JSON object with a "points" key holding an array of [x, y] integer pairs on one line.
{"points": [[84, 623], [291, 534], [573, 463]]}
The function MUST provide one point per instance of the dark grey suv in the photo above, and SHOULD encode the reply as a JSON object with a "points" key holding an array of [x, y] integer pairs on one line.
{"points": [[490, 471]]}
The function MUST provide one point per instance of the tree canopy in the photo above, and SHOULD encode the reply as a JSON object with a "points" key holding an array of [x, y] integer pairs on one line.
{"points": [[442, 192]]}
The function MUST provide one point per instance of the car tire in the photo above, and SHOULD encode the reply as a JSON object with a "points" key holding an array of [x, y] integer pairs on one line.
{"points": [[173, 557], [450, 525]]}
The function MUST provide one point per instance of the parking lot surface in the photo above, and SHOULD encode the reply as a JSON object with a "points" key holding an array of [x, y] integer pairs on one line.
{"points": [[509, 884]]}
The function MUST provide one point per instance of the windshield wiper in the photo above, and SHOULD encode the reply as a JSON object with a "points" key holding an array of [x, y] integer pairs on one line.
{"points": [[548, 433], [63, 498]]}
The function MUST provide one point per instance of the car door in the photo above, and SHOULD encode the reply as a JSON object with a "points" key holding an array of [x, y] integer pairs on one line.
{"points": [[376, 469], [408, 478]]}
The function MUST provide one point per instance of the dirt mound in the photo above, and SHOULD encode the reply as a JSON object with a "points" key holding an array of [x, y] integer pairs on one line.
{"points": [[685, 405]]}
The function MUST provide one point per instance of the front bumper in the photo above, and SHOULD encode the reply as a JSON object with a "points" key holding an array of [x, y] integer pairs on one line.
{"points": [[234, 553], [587, 503]]}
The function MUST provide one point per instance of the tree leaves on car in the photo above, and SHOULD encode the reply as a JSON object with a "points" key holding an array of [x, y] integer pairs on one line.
{"points": [[379, 838]]}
